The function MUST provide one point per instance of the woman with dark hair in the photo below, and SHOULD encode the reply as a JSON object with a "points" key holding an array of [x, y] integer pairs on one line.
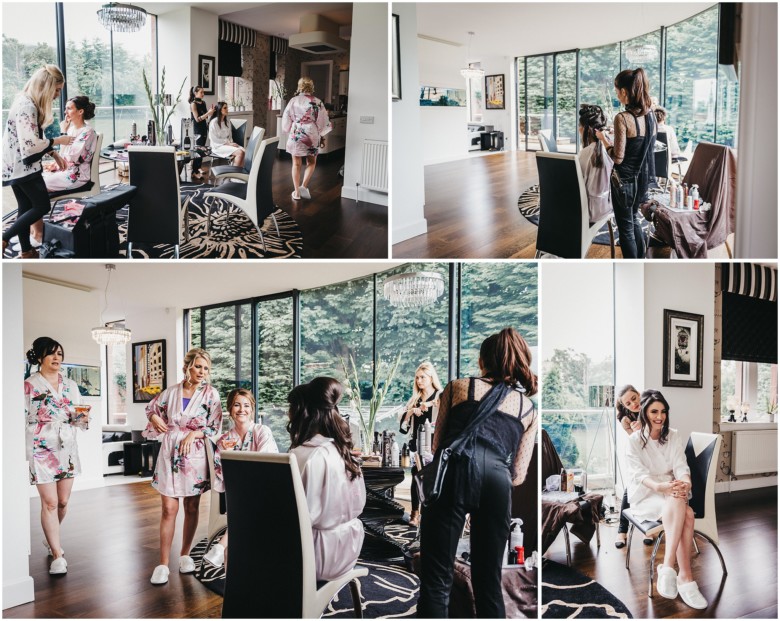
{"points": [[594, 161], [498, 451], [659, 489], [183, 416], [627, 406], [23, 148], [330, 473], [221, 137], [201, 114], [633, 157], [51, 400], [72, 164]]}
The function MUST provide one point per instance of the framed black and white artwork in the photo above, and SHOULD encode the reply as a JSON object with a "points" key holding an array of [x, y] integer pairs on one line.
{"points": [[683, 349]]}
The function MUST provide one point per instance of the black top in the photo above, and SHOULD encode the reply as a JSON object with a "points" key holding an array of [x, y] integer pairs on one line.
{"points": [[201, 127], [638, 160], [418, 421], [502, 434]]}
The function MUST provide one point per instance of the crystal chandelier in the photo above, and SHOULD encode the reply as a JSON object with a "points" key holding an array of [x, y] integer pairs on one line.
{"points": [[472, 70], [105, 334], [122, 17], [641, 54], [414, 290]]}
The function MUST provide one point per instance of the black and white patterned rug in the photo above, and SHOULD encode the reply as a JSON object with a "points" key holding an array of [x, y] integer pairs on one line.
{"points": [[568, 594], [233, 236], [528, 204], [388, 591]]}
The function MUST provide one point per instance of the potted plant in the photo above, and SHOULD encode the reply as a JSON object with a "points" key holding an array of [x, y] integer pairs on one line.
{"points": [[159, 103], [771, 408], [367, 415], [278, 95]]}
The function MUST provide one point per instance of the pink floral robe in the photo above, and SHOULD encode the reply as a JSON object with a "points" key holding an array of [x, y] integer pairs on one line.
{"points": [[78, 156], [305, 120], [52, 451], [335, 502], [178, 475], [259, 438]]}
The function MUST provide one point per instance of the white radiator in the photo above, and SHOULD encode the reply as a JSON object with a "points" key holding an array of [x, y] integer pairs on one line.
{"points": [[753, 452], [374, 174]]}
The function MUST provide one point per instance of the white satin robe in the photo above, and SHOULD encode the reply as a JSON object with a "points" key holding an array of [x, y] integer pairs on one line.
{"points": [[334, 502]]}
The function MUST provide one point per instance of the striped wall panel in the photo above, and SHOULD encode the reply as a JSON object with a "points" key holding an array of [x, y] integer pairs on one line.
{"points": [[237, 34], [756, 281]]}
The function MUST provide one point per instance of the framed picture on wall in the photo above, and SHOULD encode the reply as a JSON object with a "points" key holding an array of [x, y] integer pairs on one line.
{"points": [[206, 73], [683, 349], [148, 370], [494, 92], [396, 59], [87, 378]]}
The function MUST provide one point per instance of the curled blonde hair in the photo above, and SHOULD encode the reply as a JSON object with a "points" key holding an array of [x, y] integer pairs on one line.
{"points": [[41, 88], [190, 356], [306, 85], [427, 368]]}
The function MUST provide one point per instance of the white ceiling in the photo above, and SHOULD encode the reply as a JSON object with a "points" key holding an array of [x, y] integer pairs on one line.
{"points": [[523, 28], [273, 18], [141, 286]]}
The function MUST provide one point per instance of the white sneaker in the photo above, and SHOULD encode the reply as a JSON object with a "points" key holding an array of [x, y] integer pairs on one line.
{"points": [[186, 565], [160, 574], [215, 556], [304, 192], [59, 566], [48, 548]]}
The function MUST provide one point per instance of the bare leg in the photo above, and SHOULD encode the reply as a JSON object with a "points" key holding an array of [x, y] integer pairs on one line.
{"points": [[170, 507], [191, 505], [49, 519], [296, 174], [64, 488], [684, 548], [673, 516], [36, 230], [311, 162], [238, 160], [223, 540]]}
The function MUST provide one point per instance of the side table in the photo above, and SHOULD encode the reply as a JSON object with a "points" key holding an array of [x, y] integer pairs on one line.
{"points": [[140, 458]]}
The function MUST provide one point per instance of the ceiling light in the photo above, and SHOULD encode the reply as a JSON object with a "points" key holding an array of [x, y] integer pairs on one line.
{"points": [[472, 70], [414, 289], [122, 17], [105, 334], [641, 54]]}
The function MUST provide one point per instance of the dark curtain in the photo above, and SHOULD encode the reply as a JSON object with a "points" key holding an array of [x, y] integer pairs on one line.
{"points": [[229, 59], [749, 329]]}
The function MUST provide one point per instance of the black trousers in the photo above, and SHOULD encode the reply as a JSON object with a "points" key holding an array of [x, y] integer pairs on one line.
{"points": [[623, 525], [441, 527], [201, 142], [32, 199], [415, 491], [632, 238]]}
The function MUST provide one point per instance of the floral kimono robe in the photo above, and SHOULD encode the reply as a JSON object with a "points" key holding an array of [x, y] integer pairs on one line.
{"points": [[52, 451], [305, 120], [259, 438], [78, 156], [178, 475]]}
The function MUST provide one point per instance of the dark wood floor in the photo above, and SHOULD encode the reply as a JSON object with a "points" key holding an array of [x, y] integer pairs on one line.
{"points": [[747, 526], [111, 542]]}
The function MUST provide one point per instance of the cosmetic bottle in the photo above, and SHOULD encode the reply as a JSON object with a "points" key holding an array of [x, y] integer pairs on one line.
{"points": [[395, 456]]}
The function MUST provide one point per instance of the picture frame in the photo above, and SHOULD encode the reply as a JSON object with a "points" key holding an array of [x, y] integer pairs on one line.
{"points": [[206, 73], [87, 378], [683, 349], [149, 378], [396, 77], [494, 92]]}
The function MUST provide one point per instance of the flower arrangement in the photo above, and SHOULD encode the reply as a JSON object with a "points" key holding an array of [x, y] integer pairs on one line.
{"points": [[158, 104], [367, 419], [278, 90]]}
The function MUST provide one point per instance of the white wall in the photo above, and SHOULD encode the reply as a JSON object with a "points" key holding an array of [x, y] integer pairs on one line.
{"points": [[687, 288], [444, 134], [18, 585], [756, 234], [501, 119], [368, 95], [204, 40], [408, 181]]}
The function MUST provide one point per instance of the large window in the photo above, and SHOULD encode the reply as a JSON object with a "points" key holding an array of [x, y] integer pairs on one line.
{"points": [[702, 100], [751, 383]]}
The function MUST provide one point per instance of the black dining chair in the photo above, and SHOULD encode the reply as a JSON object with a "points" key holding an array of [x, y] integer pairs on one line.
{"points": [[227, 171], [663, 160], [238, 131]]}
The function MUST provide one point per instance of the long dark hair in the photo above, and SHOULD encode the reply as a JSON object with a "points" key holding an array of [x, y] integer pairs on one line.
{"points": [[192, 97], [645, 401], [592, 119], [314, 410], [42, 346], [638, 88], [220, 104], [622, 410], [82, 102], [506, 358]]}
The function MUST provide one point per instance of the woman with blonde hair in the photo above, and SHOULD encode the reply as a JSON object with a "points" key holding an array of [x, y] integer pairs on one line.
{"points": [[183, 415], [306, 121], [421, 407], [24, 146]]}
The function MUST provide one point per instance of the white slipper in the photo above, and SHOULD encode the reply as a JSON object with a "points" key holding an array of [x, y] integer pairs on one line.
{"points": [[690, 594], [35, 243], [295, 198], [58, 566], [304, 192], [667, 582], [160, 574], [215, 556], [186, 565]]}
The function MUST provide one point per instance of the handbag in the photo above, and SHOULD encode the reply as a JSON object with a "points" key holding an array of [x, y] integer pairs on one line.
{"points": [[430, 479]]}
